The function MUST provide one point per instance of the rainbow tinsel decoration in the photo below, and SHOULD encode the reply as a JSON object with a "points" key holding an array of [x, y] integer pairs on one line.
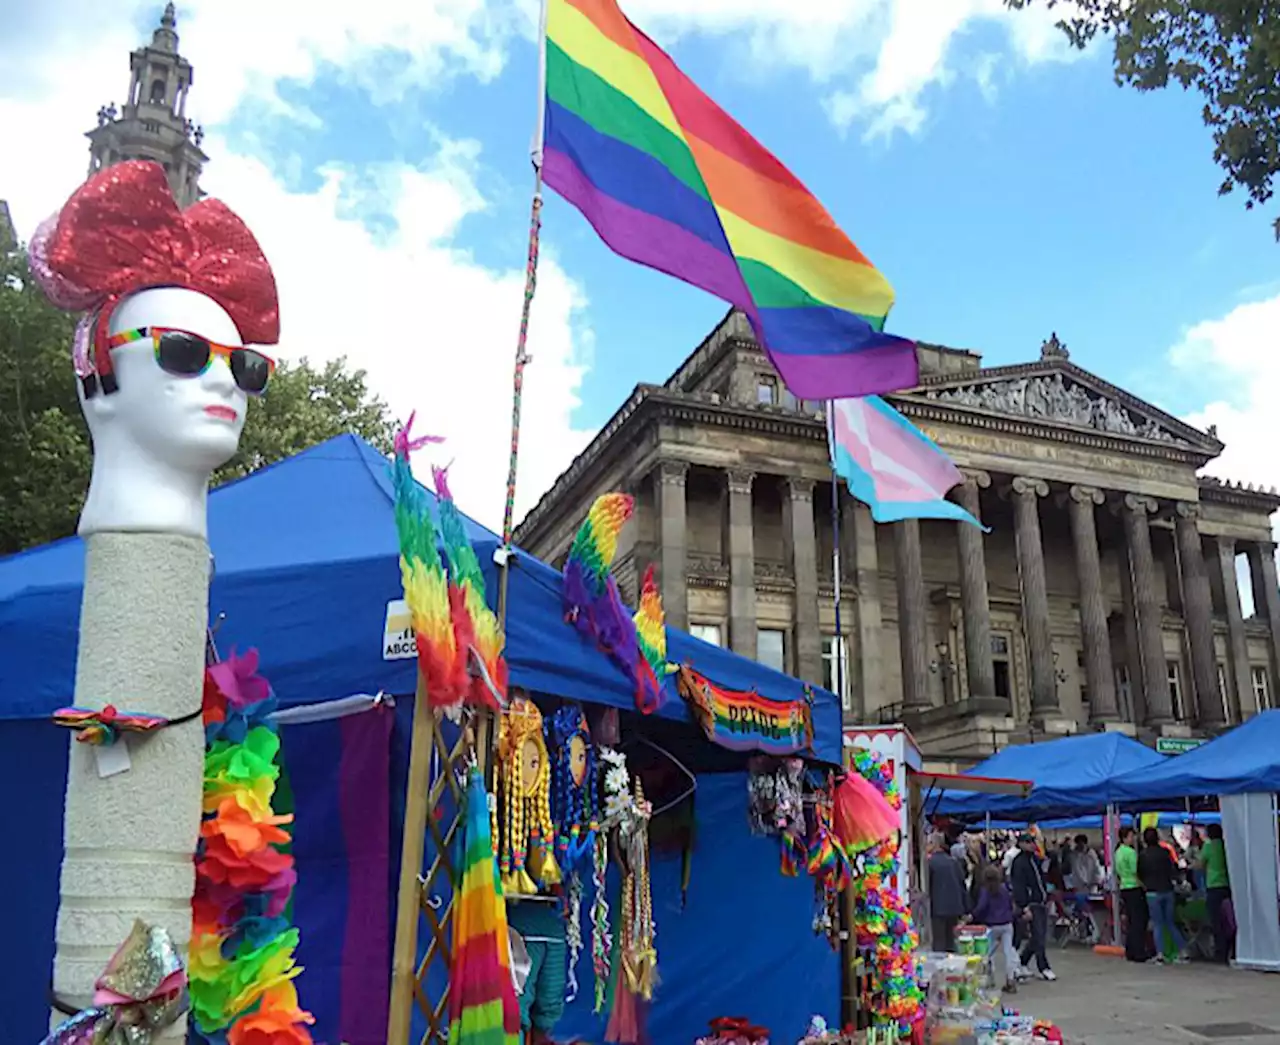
{"points": [[475, 624], [592, 601], [482, 998], [882, 918], [426, 586], [242, 946]]}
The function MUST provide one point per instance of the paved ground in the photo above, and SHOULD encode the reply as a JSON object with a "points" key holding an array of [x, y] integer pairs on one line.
{"points": [[1106, 1001]]}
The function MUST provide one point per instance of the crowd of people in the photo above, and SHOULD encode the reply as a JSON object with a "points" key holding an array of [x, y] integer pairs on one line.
{"points": [[1022, 889]]}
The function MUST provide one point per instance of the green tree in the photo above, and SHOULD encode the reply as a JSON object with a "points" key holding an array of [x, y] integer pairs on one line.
{"points": [[1226, 50], [45, 453]]}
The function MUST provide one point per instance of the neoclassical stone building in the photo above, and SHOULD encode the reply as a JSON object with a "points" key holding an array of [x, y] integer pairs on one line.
{"points": [[1104, 596]]}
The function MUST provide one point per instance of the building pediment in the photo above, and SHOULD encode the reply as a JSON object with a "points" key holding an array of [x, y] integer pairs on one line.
{"points": [[1055, 391]]}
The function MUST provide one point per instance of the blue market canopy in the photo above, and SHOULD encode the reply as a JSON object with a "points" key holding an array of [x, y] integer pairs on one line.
{"points": [[306, 562], [1070, 776], [1241, 761]]}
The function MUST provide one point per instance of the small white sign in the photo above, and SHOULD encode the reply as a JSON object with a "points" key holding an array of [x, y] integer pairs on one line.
{"points": [[398, 642], [113, 758]]}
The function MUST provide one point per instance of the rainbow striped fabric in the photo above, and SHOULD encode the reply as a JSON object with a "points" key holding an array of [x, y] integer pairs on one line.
{"points": [[890, 465], [669, 180]]}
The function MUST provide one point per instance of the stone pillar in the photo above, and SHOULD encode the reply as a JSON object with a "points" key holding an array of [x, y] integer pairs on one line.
{"points": [[974, 603], [868, 667], [129, 838], [673, 540], [913, 626], [1137, 706], [803, 540], [1238, 648], [1159, 701], [1103, 705], [1035, 594], [742, 565], [1197, 609], [1266, 598]]}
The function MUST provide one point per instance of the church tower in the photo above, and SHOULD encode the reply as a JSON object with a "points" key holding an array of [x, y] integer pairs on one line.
{"points": [[153, 124]]}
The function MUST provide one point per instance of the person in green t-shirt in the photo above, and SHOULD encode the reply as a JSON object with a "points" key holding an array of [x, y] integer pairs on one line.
{"points": [[1133, 897], [1217, 884]]}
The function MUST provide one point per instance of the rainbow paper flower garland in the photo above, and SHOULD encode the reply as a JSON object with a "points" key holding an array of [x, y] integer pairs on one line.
{"points": [[242, 946], [882, 918]]}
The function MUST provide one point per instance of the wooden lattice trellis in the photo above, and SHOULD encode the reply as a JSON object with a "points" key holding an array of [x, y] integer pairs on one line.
{"points": [[436, 771]]}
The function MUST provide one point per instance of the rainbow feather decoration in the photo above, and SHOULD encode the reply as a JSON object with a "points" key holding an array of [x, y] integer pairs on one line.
{"points": [[482, 1000], [593, 603], [426, 587], [475, 624], [651, 626]]}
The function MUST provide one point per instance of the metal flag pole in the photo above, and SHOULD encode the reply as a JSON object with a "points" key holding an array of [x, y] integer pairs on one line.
{"points": [[838, 653]]}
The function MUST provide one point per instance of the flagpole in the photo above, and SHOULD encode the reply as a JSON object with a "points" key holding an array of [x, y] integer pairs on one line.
{"points": [[838, 656]]}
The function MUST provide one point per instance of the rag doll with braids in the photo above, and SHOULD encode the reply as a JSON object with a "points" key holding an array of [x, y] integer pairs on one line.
{"points": [[575, 809], [530, 873]]}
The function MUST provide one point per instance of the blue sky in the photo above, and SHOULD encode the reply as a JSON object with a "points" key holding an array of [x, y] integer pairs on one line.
{"points": [[382, 157]]}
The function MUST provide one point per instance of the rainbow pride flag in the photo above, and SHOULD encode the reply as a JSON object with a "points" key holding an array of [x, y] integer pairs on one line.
{"points": [[669, 180]]}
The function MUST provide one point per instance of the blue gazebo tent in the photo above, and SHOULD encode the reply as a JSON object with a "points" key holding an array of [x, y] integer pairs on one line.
{"points": [[1070, 776], [1244, 760], [306, 564]]}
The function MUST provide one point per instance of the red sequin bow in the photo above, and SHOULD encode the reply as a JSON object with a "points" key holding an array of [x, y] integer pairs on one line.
{"points": [[122, 232]]}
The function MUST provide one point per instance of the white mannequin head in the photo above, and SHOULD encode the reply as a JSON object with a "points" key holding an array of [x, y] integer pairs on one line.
{"points": [[157, 438]]}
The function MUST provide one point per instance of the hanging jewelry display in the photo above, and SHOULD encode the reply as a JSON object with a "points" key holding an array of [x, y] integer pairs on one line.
{"points": [[526, 859], [775, 789], [575, 809], [636, 958]]}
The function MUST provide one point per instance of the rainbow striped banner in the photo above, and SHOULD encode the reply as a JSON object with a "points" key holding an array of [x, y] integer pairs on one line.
{"points": [[746, 721], [669, 180]]}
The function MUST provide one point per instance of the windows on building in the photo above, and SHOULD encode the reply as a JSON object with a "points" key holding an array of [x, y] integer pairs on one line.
{"points": [[1223, 692], [767, 390], [712, 633], [835, 652], [1261, 687], [771, 648], [1000, 665], [1175, 689]]}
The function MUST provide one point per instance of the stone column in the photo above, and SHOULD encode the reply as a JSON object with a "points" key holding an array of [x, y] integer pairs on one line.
{"points": [[804, 564], [867, 667], [974, 603], [1103, 705], [1197, 609], [742, 565], [1266, 598], [1035, 593], [913, 626], [673, 540], [1159, 701], [1137, 704], [1238, 648]]}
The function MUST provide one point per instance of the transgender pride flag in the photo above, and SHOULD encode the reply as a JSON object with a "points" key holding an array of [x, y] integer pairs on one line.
{"points": [[889, 464]]}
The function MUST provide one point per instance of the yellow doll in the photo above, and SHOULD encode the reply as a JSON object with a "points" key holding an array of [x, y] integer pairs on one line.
{"points": [[526, 861]]}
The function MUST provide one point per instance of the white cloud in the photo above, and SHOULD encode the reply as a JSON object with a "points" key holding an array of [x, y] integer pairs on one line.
{"points": [[877, 59], [1236, 356], [433, 327]]}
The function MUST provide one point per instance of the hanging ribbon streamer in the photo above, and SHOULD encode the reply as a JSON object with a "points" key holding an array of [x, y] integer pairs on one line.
{"points": [[141, 992]]}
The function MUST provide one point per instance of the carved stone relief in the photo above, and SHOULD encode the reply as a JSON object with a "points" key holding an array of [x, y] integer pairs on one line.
{"points": [[1053, 399]]}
